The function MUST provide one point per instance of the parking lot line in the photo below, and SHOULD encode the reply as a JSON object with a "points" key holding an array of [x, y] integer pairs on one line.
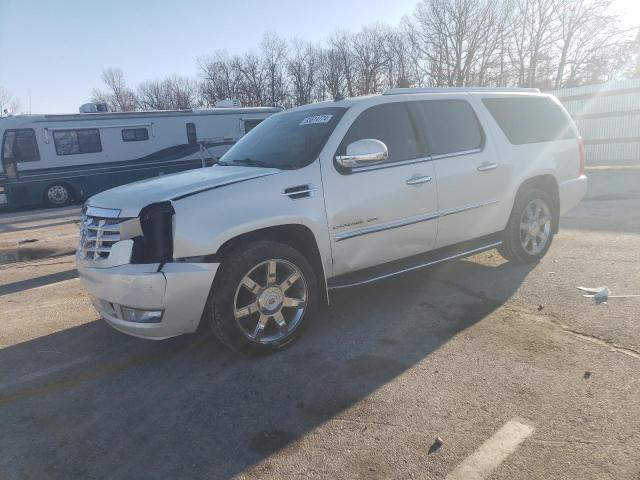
{"points": [[492, 453]]}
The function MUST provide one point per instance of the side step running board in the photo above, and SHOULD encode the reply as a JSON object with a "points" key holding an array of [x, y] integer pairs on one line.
{"points": [[415, 262]]}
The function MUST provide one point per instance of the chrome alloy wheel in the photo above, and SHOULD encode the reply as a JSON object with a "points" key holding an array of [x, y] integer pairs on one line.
{"points": [[535, 226], [57, 195], [270, 301]]}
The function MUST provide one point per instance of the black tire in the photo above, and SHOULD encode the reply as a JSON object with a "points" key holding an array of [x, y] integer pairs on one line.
{"points": [[221, 304], [512, 248], [58, 195]]}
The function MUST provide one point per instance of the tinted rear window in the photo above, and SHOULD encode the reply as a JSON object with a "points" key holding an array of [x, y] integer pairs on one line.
{"points": [[529, 120], [450, 126]]}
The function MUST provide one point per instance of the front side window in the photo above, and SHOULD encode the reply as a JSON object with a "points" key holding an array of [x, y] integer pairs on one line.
{"points": [[450, 126], [530, 119], [74, 142], [20, 146], [135, 134], [286, 140], [389, 123]]}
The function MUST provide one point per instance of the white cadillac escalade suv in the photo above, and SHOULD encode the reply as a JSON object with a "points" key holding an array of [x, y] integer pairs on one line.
{"points": [[328, 196]]}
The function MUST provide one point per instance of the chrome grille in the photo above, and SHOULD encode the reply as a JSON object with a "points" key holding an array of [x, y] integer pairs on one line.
{"points": [[97, 236]]}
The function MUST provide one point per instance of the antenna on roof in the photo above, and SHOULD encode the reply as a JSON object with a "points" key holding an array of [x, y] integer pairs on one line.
{"points": [[338, 97]]}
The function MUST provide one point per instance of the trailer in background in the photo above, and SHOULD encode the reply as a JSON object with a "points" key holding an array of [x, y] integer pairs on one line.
{"points": [[58, 159]]}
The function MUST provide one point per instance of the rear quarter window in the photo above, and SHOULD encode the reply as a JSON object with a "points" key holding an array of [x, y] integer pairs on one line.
{"points": [[529, 120]]}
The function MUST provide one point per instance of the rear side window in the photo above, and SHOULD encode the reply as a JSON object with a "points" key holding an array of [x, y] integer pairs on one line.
{"points": [[389, 123], [450, 126], [74, 142], [20, 146], [529, 120], [135, 134]]}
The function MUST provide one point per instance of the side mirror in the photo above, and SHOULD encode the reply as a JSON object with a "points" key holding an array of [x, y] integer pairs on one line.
{"points": [[364, 152]]}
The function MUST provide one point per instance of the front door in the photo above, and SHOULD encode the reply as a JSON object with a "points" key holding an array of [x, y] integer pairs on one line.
{"points": [[382, 212]]}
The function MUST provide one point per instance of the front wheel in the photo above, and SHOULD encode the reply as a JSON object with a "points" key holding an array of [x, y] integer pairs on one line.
{"points": [[529, 232], [262, 297]]}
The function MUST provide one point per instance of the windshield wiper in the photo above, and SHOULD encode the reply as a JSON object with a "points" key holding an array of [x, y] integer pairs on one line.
{"points": [[249, 162]]}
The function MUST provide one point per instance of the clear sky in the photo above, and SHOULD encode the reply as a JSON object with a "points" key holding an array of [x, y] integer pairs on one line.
{"points": [[53, 51]]}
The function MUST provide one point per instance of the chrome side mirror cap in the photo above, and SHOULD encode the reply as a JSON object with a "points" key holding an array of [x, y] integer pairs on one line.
{"points": [[363, 152]]}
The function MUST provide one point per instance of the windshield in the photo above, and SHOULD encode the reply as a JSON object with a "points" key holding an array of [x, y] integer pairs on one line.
{"points": [[288, 140]]}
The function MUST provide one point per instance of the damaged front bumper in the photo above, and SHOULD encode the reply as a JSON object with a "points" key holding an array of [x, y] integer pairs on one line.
{"points": [[178, 290]]}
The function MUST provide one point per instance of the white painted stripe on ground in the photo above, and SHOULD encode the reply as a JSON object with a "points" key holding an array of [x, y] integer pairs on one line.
{"points": [[492, 453], [41, 373]]}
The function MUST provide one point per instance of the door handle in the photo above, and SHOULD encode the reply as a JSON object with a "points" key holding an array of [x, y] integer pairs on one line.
{"points": [[418, 179], [487, 166]]}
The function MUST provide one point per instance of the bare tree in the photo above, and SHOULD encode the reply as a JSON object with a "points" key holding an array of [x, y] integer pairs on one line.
{"points": [[274, 55], [542, 43], [533, 36], [152, 95], [370, 57], [220, 80], [302, 66], [331, 74], [119, 97], [8, 103], [253, 86], [589, 35], [342, 44]]}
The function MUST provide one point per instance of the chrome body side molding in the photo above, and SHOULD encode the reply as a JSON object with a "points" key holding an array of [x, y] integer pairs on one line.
{"points": [[338, 237], [384, 226]]}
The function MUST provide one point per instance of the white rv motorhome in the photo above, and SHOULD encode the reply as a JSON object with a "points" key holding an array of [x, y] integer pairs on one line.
{"points": [[57, 159]]}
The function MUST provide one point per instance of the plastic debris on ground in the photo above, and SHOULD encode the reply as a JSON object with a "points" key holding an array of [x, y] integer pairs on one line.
{"points": [[601, 294]]}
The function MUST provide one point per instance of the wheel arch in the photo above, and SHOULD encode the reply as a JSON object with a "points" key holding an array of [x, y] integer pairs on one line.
{"points": [[549, 184], [297, 236]]}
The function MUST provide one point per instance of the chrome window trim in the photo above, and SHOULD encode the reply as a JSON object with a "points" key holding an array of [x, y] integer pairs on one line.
{"points": [[414, 160], [407, 221], [456, 154], [416, 267], [380, 166]]}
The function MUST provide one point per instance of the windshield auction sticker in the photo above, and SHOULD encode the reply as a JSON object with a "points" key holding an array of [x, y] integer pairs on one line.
{"points": [[316, 119]]}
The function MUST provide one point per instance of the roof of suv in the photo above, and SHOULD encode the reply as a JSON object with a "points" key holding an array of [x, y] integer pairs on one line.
{"points": [[407, 92]]}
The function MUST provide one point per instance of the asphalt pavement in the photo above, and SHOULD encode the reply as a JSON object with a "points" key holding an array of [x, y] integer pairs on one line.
{"points": [[518, 375]]}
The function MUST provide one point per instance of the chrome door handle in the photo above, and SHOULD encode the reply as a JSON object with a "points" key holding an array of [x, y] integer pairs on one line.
{"points": [[487, 166], [418, 179]]}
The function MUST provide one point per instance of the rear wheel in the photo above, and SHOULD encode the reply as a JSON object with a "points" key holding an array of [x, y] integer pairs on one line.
{"points": [[262, 298], [58, 195], [529, 232]]}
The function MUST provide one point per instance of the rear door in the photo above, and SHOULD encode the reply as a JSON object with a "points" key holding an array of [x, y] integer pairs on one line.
{"points": [[471, 180], [381, 212]]}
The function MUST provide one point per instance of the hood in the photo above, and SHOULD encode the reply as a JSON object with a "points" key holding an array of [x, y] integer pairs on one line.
{"points": [[133, 197]]}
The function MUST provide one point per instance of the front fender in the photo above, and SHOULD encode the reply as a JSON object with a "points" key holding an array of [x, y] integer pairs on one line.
{"points": [[205, 221]]}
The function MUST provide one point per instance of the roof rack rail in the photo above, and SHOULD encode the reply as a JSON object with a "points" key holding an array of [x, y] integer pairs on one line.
{"points": [[399, 91]]}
